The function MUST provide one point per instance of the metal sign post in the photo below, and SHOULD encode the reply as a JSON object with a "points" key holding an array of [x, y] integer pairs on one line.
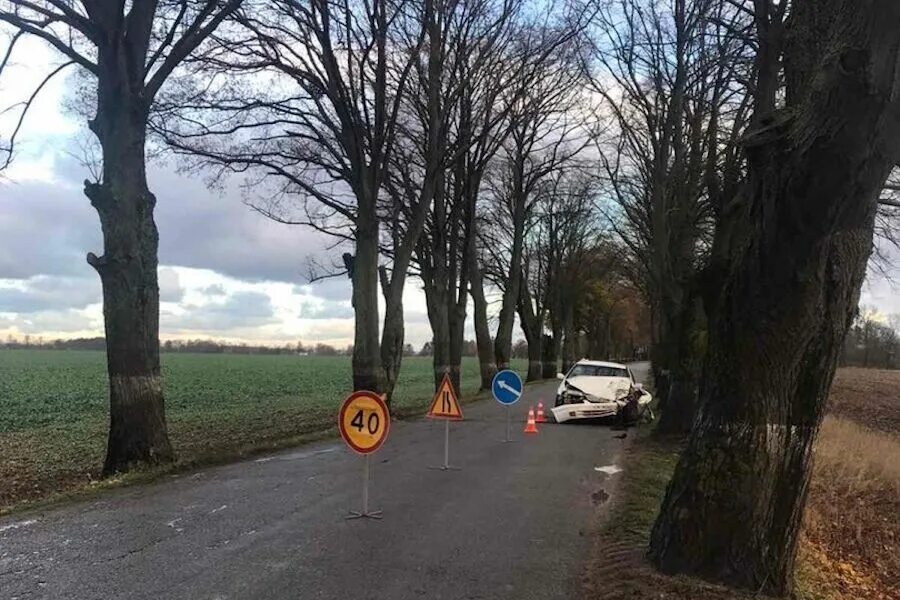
{"points": [[446, 466], [365, 514], [507, 389], [364, 421], [446, 406]]}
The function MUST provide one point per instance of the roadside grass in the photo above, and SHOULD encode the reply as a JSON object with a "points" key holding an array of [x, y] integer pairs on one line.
{"points": [[649, 462], [220, 407], [850, 543], [618, 568]]}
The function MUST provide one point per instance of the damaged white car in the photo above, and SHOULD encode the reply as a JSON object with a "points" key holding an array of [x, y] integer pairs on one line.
{"points": [[598, 390]]}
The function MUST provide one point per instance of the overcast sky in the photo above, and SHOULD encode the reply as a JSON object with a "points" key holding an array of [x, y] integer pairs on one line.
{"points": [[225, 272]]}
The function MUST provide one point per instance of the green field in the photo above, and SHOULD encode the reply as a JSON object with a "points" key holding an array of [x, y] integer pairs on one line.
{"points": [[53, 409]]}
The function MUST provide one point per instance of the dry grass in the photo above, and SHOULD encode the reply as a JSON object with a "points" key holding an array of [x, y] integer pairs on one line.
{"points": [[851, 546], [851, 539]]}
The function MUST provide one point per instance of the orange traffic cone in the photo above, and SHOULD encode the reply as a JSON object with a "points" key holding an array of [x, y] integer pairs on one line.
{"points": [[530, 427], [540, 413]]}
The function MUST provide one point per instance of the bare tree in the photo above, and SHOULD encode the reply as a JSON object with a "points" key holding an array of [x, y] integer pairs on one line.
{"points": [[526, 61], [455, 117], [305, 97], [554, 273], [788, 261], [491, 60], [670, 76], [130, 52], [548, 133]]}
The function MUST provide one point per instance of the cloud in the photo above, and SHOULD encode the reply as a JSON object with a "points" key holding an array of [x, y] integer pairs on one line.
{"points": [[325, 310], [46, 292], [333, 288], [48, 226], [216, 289], [170, 289], [68, 322], [214, 229], [240, 310], [46, 229]]}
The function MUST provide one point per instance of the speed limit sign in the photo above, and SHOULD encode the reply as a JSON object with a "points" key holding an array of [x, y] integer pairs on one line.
{"points": [[364, 421]]}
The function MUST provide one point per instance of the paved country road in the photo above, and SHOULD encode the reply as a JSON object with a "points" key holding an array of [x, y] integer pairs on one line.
{"points": [[513, 523]]}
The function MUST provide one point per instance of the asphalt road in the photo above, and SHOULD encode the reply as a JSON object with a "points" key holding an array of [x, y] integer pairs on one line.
{"points": [[512, 523]]}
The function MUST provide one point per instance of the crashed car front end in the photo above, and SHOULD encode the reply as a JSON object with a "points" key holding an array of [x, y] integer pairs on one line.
{"points": [[594, 398]]}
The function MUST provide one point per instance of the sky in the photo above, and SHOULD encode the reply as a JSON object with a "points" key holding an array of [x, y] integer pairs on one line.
{"points": [[226, 272]]}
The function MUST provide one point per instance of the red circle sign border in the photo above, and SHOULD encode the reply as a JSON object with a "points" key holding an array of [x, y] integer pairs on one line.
{"points": [[387, 427]]}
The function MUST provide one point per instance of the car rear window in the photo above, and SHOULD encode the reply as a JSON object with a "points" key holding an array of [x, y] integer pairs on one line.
{"points": [[597, 371]]}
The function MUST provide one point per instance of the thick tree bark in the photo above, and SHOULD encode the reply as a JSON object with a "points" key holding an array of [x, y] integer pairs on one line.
{"points": [[483, 340], [503, 341], [367, 373], [394, 329], [791, 259], [550, 355], [128, 273], [533, 328], [683, 380], [570, 342], [457, 338], [435, 288]]}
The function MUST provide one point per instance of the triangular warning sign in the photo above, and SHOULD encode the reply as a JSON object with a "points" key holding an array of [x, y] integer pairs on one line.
{"points": [[445, 404]]}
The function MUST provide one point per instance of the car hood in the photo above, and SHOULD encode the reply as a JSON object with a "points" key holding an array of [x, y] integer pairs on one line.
{"points": [[602, 388]]}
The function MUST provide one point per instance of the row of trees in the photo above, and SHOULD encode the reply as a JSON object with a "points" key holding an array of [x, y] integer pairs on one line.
{"points": [[751, 153], [872, 341], [445, 140], [200, 346], [711, 167]]}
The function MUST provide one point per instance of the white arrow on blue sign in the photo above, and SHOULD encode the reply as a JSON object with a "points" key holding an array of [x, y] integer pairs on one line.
{"points": [[507, 387]]}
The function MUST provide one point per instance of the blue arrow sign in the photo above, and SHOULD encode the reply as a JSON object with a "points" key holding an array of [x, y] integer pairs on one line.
{"points": [[507, 387]]}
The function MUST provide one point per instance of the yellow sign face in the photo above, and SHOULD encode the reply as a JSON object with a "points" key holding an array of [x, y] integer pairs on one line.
{"points": [[445, 404], [364, 421]]}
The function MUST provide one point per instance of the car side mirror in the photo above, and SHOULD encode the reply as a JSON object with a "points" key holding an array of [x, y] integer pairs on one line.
{"points": [[639, 387], [560, 376]]}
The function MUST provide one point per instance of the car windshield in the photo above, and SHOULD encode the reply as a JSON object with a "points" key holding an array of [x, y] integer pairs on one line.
{"points": [[597, 371]]}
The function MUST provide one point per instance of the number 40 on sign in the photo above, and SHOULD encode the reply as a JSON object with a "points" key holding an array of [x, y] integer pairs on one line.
{"points": [[364, 421]]}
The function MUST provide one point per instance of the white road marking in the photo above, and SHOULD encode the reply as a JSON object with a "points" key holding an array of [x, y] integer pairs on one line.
{"points": [[609, 469], [18, 525]]}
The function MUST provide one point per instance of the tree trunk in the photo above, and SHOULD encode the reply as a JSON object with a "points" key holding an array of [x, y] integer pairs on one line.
{"points": [[535, 365], [550, 357], [486, 362], [438, 317], [128, 273], [394, 330], [682, 383], [503, 341], [791, 256], [570, 342], [367, 374], [457, 338], [532, 324]]}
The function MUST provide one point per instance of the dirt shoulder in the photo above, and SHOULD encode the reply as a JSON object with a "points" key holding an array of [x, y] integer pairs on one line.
{"points": [[850, 545], [870, 397], [618, 568]]}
